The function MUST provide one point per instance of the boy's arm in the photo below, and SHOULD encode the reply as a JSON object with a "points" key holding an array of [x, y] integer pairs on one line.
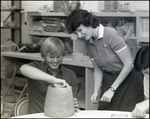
{"points": [[141, 108], [36, 74]]}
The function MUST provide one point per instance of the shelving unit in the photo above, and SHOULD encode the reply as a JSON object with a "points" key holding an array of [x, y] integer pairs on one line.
{"points": [[138, 17], [16, 17], [78, 46], [143, 22], [38, 31]]}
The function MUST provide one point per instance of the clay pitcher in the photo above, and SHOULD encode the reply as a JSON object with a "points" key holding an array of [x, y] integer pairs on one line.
{"points": [[59, 102]]}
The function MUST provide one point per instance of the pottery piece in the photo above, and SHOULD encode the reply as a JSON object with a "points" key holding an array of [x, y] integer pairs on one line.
{"points": [[59, 102]]}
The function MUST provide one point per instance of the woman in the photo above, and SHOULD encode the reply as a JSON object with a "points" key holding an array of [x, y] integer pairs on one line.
{"points": [[141, 64], [114, 76]]}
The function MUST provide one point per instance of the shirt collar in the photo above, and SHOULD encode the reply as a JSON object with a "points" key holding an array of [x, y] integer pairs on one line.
{"points": [[47, 68], [101, 31], [100, 35]]}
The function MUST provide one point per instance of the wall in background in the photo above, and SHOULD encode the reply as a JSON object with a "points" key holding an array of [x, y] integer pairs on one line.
{"points": [[94, 6], [133, 5], [89, 5]]}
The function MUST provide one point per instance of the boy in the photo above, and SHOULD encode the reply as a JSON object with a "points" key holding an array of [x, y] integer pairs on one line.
{"points": [[48, 72], [141, 64]]}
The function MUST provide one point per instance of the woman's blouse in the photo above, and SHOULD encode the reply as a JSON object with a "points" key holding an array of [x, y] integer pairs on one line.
{"points": [[104, 49]]}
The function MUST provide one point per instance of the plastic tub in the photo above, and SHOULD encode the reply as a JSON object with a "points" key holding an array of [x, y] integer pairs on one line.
{"points": [[77, 56]]}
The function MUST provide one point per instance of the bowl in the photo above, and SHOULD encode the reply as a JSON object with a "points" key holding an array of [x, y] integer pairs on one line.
{"points": [[77, 56]]}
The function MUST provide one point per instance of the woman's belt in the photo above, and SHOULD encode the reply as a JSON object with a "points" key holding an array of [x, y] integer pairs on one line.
{"points": [[112, 72]]}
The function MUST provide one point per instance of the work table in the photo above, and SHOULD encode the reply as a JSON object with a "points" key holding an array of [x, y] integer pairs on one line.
{"points": [[88, 114]]}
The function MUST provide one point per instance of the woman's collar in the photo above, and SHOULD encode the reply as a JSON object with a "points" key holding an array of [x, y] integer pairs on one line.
{"points": [[100, 35]]}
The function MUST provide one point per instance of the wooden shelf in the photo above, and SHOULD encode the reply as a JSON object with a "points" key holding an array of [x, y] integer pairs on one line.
{"points": [[12, 10], [121, 14], [68, 60], [57, 34], [132, 37], [143, 39], [140, 39], [109, 14], [10, 28], [37, 13]]}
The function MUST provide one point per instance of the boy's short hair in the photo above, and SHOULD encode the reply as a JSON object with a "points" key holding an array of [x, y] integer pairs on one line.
{"points": [[53, 46], [141, 61]]}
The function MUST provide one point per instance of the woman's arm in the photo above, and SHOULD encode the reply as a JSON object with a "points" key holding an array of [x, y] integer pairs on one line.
{"points": [[98, 76], [126, 59], [36, 74]]}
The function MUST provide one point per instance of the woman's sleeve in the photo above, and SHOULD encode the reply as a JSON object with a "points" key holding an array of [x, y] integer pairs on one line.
{"points": [[117, 43]]}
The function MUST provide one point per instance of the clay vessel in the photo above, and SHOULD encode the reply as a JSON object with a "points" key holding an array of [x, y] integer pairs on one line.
{"points": [[59, 102]]}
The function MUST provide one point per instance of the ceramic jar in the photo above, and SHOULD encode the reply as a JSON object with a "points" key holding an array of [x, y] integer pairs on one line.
{"points": [[59, 102]]}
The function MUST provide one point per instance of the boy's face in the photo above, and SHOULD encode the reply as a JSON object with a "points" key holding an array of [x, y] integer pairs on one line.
{"points": [[53, 61], [146, 73]]}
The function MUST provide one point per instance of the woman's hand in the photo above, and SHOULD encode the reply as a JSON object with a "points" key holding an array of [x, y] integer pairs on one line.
{"points": [[74, 36], [140, 109], [94, 98], [107, 96], [76, 104]]}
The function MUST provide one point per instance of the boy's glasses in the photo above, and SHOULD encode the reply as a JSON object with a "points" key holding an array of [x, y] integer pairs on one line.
{"points": [[52, 57]]}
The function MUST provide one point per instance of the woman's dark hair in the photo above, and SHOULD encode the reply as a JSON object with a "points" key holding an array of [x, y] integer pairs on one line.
{"points": [[78, 17], [142, 59]]}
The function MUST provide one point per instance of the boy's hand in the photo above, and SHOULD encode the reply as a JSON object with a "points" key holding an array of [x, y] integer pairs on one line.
{"points": [[65, 84], [140, 109], [60, 83], [76, 104], [57, 85]]}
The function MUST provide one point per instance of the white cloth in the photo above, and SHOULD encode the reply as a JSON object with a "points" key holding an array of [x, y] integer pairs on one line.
{"points": [[88, 114], [146, 88]]}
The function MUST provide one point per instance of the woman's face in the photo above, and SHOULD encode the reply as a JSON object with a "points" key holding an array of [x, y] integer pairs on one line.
{"points": [[146, 73], [53, 61], [84, 32]]}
